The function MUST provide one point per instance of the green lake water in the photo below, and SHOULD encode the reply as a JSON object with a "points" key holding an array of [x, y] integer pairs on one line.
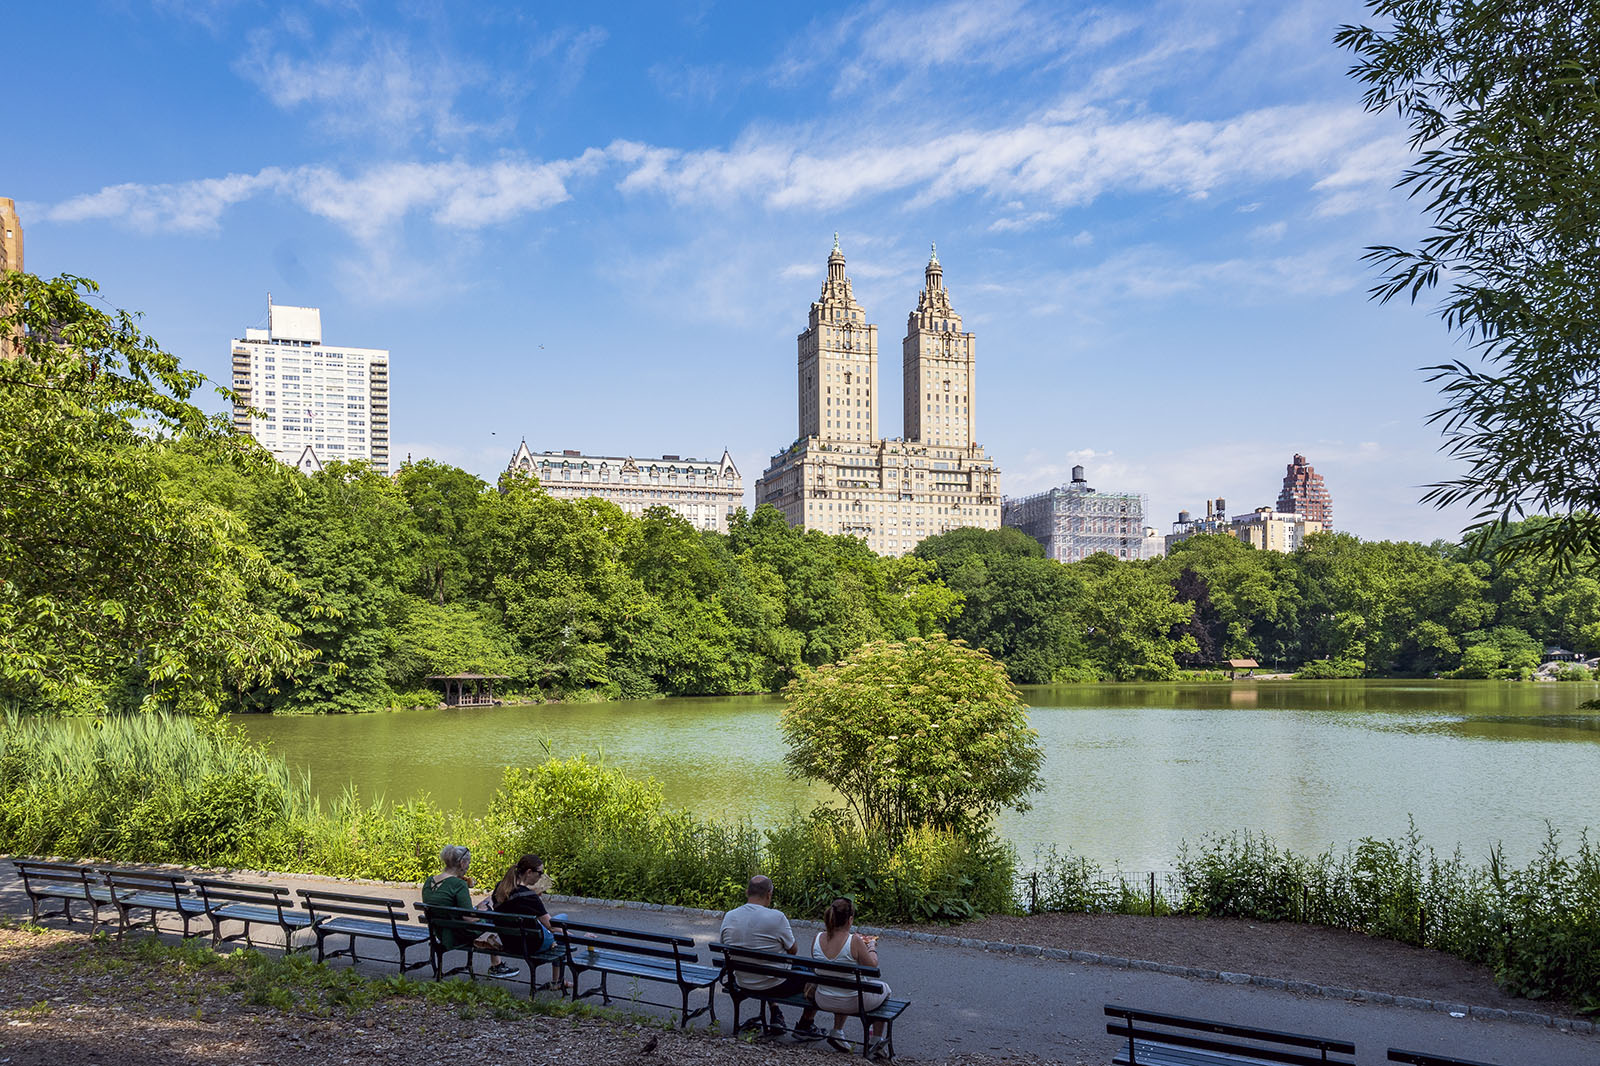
{"points": [[1130, 770]]}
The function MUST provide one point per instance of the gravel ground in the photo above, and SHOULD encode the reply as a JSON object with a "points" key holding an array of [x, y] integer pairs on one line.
{"points": [[64, 998], [1269, 949]]}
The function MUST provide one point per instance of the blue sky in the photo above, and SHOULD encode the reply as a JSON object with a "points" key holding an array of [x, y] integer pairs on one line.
{"points": [[601, 226]]}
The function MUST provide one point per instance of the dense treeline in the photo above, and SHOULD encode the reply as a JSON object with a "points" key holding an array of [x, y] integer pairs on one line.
{"points": [[435, 571], [1339, 607]]}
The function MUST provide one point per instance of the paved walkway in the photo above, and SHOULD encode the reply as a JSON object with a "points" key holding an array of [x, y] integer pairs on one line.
{"points": [[966, 999]]}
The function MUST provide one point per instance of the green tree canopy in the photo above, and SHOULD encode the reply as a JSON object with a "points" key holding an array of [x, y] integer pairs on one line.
{"points": [[924, 732], [110, 583], [1503, 102]]}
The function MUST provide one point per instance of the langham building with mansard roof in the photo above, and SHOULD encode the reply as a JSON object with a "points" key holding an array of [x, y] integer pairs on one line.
{"points": [[704, 491]]}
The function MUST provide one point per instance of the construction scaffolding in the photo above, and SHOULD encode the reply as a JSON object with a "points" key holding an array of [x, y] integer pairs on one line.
{"points": [[1074, 521]]}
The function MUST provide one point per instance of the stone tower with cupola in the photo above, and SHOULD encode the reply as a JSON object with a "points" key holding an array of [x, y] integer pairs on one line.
{"points": [[838, 362], [939, 367]]}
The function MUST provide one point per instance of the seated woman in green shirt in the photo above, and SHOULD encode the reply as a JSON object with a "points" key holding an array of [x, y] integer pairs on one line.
{"points": [[453, 888]]}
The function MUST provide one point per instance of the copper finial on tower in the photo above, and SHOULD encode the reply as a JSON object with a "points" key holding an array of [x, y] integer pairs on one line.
{"points": [[836, 260], [933, 274]]}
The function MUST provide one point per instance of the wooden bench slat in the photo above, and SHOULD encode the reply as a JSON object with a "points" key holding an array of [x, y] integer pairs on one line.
{"points": [[620, 931], [630, 965], [376, 930], [158, 901], [269, 915], [1177, 1048]]}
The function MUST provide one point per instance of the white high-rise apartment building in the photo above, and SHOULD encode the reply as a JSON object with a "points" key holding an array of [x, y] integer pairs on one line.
{"points": [[318, 402]]}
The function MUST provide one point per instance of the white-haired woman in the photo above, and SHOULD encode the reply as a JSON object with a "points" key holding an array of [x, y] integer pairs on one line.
{"points": [[453, 888]]}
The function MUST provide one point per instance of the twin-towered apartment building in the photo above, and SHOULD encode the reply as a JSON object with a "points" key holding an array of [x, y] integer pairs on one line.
{"points": [[839, 476]]}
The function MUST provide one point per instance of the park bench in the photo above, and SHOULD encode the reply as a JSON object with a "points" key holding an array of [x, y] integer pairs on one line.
{"points": [[1154, 1039], [844, 977], [610, 950], [357, 917], [1423, 1058], [156, 892], [250, 905], [472, 923], [67, 882]]}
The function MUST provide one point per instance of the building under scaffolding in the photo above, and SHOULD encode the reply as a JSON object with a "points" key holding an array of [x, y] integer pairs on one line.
{"points": [[1074, 521]]}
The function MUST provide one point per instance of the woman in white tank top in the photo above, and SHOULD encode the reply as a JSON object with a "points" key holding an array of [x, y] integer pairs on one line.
{"points": [[836, 943]]}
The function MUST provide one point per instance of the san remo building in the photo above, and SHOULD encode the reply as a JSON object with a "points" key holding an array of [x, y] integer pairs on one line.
{"points": [[839, 476]]}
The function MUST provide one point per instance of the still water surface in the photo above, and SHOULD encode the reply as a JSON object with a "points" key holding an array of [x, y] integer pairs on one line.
{"points": [[1130, 771]]}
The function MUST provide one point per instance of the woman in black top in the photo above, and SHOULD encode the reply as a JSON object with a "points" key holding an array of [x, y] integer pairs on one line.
{"points": [[515, 895]]}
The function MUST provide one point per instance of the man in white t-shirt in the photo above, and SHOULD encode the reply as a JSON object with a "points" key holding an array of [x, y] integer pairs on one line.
{"points": [[759, 925]]}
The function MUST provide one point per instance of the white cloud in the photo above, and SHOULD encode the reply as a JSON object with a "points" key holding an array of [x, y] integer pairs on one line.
{"points": [[1364, 175], [1019, 223], [368, 204], [1065, 158], [188, 207], [1154, 273]]}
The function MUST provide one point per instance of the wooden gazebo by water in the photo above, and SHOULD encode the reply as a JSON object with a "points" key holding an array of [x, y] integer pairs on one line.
{"points": [[1249, 666], [468, 690]]}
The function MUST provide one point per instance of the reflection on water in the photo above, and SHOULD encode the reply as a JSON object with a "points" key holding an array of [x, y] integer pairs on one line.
{"points": [[1130, 770]]}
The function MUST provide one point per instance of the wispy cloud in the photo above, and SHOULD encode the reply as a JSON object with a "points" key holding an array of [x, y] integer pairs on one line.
{"points": [[367, 82], [1036, 168], [401, 86], [1153, 273], [689, 83], [882, 43], [186, 207], [1364, 175], [367, 204], [1019, 223], [1065, 158]]}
